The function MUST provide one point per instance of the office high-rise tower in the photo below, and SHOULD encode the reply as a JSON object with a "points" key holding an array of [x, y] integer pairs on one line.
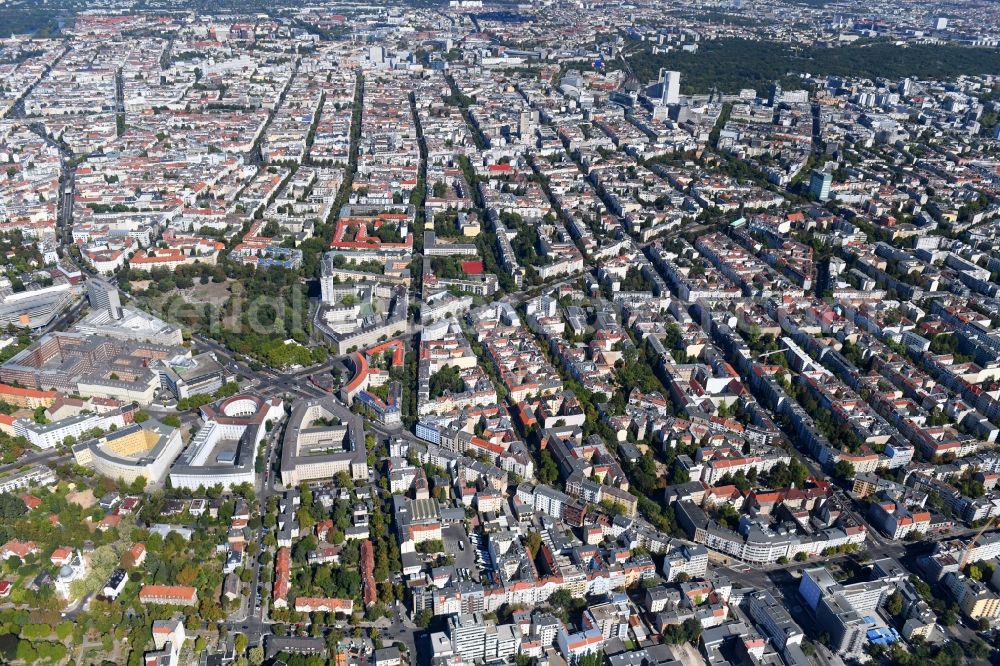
{"points": [[819, 184], [671, 87], [104, 296], [527, 124]]}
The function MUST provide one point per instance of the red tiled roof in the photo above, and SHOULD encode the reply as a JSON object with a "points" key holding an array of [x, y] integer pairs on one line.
{"points": [[61, 555], [331, 604], [25, 392], [19, 548], [178, 592]]}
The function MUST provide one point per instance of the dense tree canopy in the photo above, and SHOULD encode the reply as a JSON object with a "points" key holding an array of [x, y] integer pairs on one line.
{"points": [[448, 378], [732, 64]]}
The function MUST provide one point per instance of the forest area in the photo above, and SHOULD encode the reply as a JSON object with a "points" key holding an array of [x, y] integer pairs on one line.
{"points": [[733, 64]]}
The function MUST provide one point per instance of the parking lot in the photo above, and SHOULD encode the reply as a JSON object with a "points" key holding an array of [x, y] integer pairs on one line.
{"points": [[481, 555], [464, 554]]}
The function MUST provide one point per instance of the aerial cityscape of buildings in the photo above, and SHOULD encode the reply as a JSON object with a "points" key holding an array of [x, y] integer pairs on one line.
{"points": [[463, 333]]}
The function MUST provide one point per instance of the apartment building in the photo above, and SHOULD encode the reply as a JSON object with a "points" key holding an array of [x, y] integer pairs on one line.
{"points": [[169, 595]]}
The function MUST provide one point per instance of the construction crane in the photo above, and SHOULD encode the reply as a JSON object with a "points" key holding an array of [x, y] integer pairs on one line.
{"points": [[968, 549]]}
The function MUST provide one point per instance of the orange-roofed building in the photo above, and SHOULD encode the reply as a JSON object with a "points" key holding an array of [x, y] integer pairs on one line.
{"points": [[173, 595], [137, 554], [61, 556], [323, 529], [109, 521], [17, 548], [27, 398], [325, 604], [282, 577]]}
